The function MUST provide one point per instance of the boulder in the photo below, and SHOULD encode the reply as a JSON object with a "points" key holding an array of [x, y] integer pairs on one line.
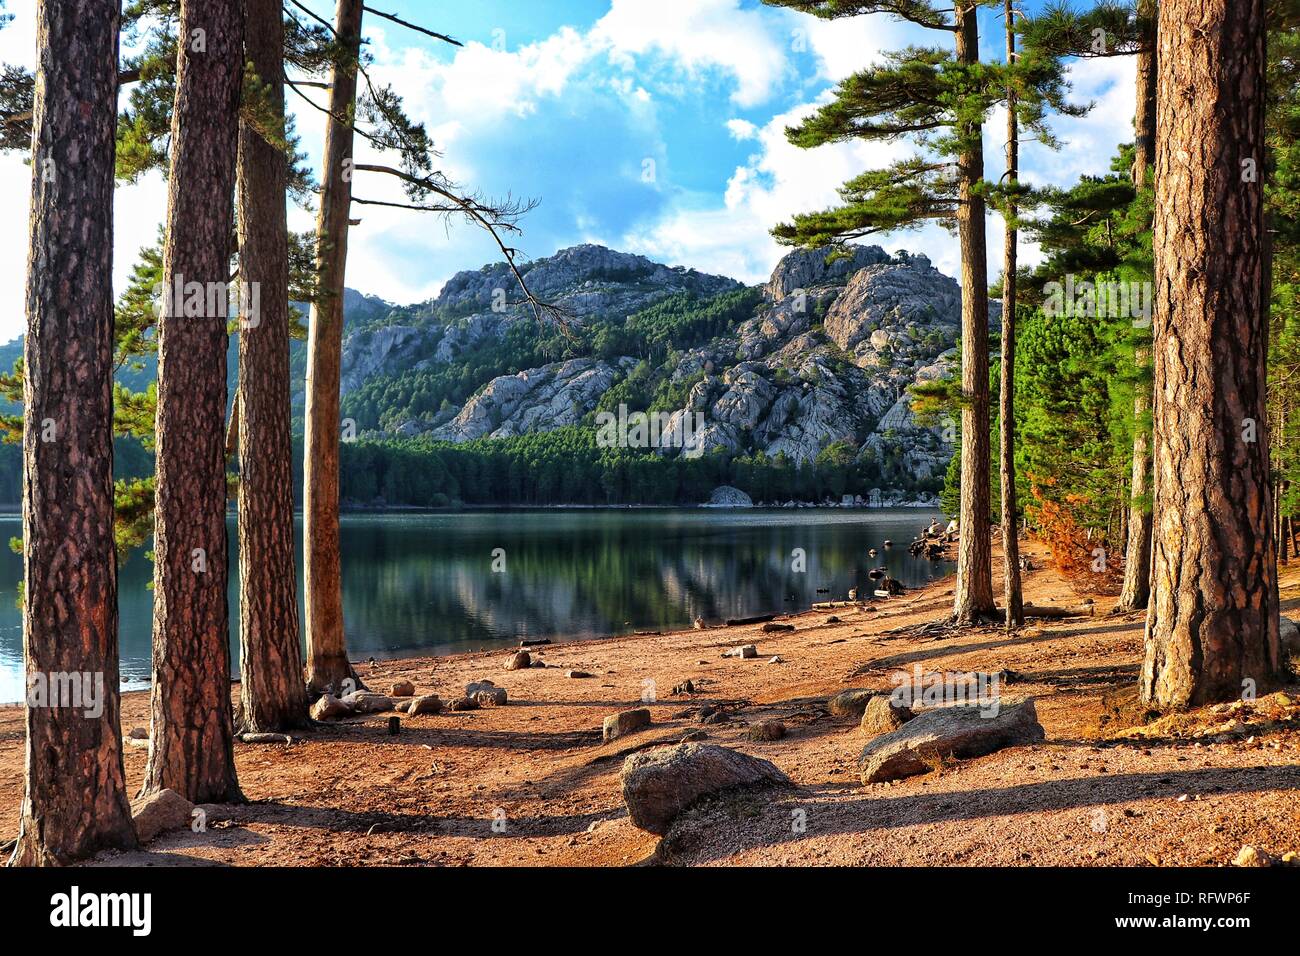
{"points": [[766, 730], [882, 715], [851, 702], [934, 735], [519, 661], [625, 722], [659, 784], [329, 707], [725, 496], [159, 812], [367, 702], [1290, 634], [428, 704], [402, 688]]}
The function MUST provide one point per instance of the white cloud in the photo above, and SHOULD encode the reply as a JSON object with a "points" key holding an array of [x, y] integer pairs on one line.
{"points": [[742, 129], [697, 35]]}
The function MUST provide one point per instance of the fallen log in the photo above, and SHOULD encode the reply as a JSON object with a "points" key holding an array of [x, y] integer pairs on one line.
{"points": [[1065, 610], [832, 605], [758, 619]]}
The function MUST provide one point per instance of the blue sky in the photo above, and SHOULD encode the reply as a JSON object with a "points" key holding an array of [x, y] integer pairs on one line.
{"points": [[653, 126]]}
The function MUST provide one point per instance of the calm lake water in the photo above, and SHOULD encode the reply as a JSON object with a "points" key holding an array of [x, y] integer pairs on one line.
{"points": [[424, 583]]}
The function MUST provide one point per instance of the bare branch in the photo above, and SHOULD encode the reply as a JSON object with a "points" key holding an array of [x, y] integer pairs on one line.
{"points": [[412, 26]]}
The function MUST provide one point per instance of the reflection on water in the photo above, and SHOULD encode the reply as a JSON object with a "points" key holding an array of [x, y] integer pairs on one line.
{"points": [[424, 583]]}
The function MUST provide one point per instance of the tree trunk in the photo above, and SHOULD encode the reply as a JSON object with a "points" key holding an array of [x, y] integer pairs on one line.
{"points": [[1144, 122], [973, 599], [1137, 553], [75, 802], [272, 694], [1012, 596], [191, 749], [1212, 624], [327, 656]]}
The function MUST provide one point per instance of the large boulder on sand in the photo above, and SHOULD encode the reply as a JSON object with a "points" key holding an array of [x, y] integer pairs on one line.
{"points": [[159, 812], [329, 707], [963, 731], [659, 784]]}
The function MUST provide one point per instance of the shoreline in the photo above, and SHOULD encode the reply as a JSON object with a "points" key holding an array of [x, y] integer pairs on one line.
{"points": [[1091, 794]]}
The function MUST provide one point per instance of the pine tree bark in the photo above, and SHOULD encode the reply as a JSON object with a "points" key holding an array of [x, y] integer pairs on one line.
{"points": [[75, 801], [327, 656], [1012, 596], [1137, 552], [1212, 624], [191, 749], [273, 696], [973, 600]]}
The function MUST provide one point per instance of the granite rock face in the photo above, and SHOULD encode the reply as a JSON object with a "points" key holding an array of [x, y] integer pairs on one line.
{"points": [[825, 359]]}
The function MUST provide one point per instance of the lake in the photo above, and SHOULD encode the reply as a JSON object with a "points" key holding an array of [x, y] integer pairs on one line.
{"points": [[425, 583]]}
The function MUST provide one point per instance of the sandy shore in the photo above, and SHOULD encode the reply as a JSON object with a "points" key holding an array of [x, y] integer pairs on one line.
{"points": [[350, 794]]}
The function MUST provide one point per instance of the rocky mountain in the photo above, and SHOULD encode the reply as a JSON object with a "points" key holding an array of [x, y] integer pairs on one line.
{"points": [[821, 355]]}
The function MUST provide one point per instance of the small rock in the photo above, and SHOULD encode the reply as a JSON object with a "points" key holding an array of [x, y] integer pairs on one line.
{"points": [[850, 703], [428, 704], [538, 662], [625, 722], [685, 687], [329, 707], [832, 620], [696, 734], [1289, 632], [464, 703], [766, 730], [402, 688], [773, 627], [699, 623], [486, 693], [1251, 857], [577, 675], [519, 660], [882, 715], [367, 702], [746, 651], [139, 733], [158, 812], [776, 660]]}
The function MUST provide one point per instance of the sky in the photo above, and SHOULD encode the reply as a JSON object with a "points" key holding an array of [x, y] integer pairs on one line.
{"points": [[649, 126]]}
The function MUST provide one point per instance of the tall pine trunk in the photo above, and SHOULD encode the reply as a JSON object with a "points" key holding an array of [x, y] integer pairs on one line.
{"points": [[75, 802], [1007, 423], [1212, 623], [272, 694], [1137, 554], [191, 749], [973, 599], [327, 656]]}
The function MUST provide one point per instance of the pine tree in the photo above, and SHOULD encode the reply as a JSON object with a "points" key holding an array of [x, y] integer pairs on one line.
{"points": [[1212, 624], [191, 746], [938, 99], [75, 801]]}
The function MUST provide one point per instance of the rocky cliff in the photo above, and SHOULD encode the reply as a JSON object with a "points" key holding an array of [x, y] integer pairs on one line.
{"points": [[822, 355]]}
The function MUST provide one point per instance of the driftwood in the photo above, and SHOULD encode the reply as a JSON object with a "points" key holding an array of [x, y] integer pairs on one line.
{"points": [[832, 605], [758, 619]]}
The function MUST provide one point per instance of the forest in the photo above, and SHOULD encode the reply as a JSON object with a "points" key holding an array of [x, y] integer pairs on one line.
{"points": [[1130, 417]]}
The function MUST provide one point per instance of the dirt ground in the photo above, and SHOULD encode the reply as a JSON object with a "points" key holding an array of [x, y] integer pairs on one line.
{"points": [[532, 784]]}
